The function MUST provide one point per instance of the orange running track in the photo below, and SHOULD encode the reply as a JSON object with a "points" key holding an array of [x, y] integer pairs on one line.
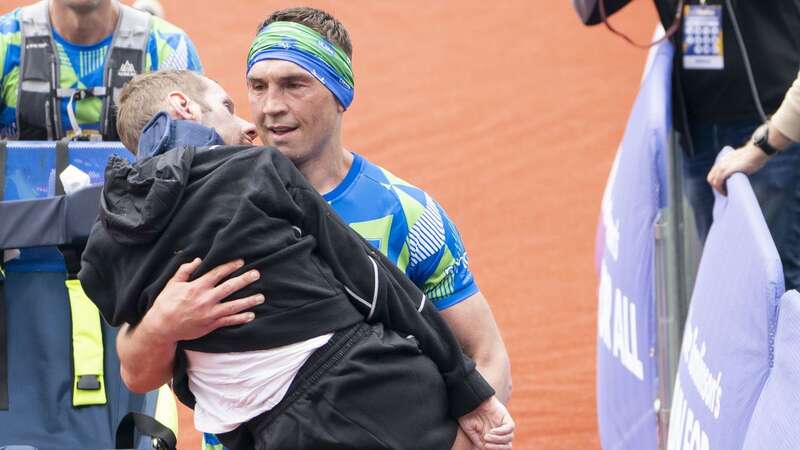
{"points": [[509, 113]]}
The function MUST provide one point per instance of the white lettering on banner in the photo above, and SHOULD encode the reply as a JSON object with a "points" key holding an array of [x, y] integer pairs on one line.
{"points": [[708, 386], [604, 307], [684, 428], [611, 226], [616, 312]]}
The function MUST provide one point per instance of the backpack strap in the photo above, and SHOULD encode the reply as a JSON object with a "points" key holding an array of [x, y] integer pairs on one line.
{"points": [[38, 77], [125, 59]]}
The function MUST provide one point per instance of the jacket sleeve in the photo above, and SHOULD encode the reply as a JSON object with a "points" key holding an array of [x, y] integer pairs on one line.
{"points": [[384, 294], [787, 118]]}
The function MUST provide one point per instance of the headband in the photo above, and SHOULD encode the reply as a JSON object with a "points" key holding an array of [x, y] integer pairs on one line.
{"points": [[291, 41]]}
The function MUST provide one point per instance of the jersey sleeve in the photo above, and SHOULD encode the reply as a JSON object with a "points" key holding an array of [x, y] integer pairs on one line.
{"points": [[9, 33], [194, 58], [10, 41], [438, 261], [170, 48]]}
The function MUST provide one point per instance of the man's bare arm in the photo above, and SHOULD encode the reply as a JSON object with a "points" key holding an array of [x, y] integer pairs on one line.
{"points": [[473, 324], [184, 310]]}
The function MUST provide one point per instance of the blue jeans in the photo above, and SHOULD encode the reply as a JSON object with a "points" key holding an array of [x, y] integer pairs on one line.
{"points": [[776, 186]]}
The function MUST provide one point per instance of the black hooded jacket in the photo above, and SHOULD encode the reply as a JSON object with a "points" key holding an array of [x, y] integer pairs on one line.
{"points": [[228, 202]]}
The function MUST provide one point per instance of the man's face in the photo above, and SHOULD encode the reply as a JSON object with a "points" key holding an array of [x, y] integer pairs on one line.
{"points": [[293, 111], [222, 117]]}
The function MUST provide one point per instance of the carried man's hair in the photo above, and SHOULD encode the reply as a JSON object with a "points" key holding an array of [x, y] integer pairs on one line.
{"points": [[146, 95]]}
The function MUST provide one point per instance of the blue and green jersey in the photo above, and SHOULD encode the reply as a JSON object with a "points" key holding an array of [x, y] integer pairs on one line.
{"points": [[409, 227], [81, 67]]}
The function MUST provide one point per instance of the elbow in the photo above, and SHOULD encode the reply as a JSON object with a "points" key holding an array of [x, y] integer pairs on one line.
{"points": [[137, 385], [505, 385], [509, 388]]}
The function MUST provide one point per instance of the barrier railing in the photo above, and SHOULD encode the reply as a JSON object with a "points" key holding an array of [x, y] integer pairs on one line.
{"points": [[627, 353], [721, 372], [728, 355]]}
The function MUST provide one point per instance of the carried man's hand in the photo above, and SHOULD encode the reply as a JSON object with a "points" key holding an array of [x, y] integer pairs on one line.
{"points": [[489, 426], [192, 309], [748, 160]]}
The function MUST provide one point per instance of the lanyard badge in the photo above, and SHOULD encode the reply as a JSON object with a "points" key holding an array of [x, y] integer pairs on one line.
{"points": [[702, 37]]}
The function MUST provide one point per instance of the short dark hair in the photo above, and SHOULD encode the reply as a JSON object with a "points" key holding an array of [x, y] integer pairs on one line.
{"points": [[319, 21]]}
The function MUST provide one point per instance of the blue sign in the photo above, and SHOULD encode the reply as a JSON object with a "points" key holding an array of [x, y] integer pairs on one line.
{"points": [[30, 172], [40, 369], [31, 166], [729, 333], [627, 378]]}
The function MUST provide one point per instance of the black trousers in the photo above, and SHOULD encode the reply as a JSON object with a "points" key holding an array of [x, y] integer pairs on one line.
{"points": [[368, 388]]}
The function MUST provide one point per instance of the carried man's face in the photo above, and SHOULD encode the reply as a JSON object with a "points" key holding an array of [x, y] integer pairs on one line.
{"points": [[293, 111], [221, 116]]}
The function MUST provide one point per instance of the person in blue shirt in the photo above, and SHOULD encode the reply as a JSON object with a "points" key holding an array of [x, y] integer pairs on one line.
{"points": [[298, 97], [82, 36]]}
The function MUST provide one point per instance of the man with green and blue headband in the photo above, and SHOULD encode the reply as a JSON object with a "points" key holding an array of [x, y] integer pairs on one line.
{"points": [[300, 82]]}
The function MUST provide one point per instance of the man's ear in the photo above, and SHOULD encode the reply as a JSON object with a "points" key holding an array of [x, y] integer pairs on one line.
{"points": [[182, 107]]}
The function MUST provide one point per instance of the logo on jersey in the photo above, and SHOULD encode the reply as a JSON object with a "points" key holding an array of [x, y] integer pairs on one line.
{"points": [[126, 70]]}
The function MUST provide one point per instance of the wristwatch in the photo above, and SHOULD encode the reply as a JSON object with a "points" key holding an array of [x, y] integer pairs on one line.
{"points": [[761, 140]]}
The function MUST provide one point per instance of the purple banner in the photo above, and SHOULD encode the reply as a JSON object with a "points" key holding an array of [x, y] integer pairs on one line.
{"points": [[775, 420], [627, 378], [727, 343]]}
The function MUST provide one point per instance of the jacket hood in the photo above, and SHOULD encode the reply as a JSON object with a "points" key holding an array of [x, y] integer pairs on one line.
{"points": [[162, 134], [139, 199]]}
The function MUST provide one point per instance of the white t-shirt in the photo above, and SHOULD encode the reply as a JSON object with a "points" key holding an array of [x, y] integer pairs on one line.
{"points": [[232, 388]]}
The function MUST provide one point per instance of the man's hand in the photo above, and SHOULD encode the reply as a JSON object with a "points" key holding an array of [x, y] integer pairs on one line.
{"points": [[747, 159], [184, 310], [187, 310], [489, 426]]}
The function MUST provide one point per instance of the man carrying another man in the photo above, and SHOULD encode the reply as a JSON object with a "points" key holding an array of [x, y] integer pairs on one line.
{"points": [[274, 381], [301, 117]]}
